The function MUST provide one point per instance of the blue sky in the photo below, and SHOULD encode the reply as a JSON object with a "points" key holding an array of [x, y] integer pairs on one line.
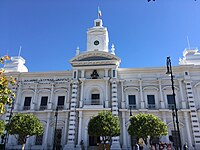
{"points": [[144, 33]]}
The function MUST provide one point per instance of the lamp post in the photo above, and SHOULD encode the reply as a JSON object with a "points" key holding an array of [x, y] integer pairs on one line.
{"points": [[169, 71], [56, 115], [130, 111]]}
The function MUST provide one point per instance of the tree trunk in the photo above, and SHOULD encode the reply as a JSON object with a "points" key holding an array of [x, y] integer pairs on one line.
{"points": [[23, 146]]}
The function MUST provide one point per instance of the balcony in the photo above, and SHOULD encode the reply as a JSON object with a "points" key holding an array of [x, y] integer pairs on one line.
{"points": [[93, 103], [43, 107], [151, 106], [132, 106], [60, 107], [170, 106], [26, 108]]}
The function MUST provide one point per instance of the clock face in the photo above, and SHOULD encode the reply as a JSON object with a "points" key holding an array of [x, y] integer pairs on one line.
{"points": [[96, 42]]}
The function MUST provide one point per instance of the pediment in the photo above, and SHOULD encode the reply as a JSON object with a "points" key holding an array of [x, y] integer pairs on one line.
{"points": [[94, 58]]}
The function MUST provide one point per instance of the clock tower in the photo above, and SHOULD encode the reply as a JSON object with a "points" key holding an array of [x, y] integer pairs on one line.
{"points": [[97, 37]]}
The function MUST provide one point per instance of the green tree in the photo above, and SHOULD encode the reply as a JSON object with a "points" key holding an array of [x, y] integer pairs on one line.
{"points": [[23, 126], [6, 93], [104, 125], [144, 125], [2, 127]]}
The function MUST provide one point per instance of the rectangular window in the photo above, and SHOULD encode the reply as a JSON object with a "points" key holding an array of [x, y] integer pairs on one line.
{"points": [[61, 101], [27, 103], [43, 104], [39, 139], [113, 73], [132, 101], [170, 100], [151, 101], [74, 74], [97, 24], [95, 99]]}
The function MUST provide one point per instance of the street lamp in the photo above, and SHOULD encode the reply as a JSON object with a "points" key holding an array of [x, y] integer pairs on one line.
{"points": [[169, 71], [56, 115], [130, 111]]}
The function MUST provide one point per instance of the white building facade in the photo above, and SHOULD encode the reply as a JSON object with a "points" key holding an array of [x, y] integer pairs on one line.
{"points": [[96, 83]]}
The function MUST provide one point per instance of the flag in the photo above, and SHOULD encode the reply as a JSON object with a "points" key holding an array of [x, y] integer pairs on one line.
{"points": [[99, 14]]}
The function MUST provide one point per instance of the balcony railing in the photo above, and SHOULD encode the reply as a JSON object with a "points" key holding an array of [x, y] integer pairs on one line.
{"points": [[151, 106], [43, 107], [93, 102], [132, 106], [26, 108], [60, 107], [170, 106]]}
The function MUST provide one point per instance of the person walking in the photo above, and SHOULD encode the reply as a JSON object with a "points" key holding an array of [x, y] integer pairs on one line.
{"points": [[137, 147], [185, 146]]}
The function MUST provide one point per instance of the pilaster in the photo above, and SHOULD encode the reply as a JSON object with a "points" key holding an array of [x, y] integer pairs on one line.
{"points": [[141, 95], [51, 97], [72, 117], [34, 97], [115, 140], [45, 143], [162, 103]]}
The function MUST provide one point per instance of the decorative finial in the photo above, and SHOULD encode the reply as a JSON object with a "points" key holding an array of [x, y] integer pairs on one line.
{"points": [[77, 51], [188, 42], [20, 49], [113, 49], [99, 13]]}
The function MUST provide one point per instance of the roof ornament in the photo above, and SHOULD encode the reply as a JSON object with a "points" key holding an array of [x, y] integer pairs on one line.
{"points": [[188, 42], [113, 49], [77, 51], [20, 49], [99, 13]]}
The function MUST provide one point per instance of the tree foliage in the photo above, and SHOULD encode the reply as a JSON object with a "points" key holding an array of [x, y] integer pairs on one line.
{"points": [[105, 125], [24, 125], [2, 127], [6, 93], [144, 125]]}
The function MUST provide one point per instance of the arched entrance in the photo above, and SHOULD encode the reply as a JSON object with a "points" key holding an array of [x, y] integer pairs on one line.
{"points": [[94, 140]]}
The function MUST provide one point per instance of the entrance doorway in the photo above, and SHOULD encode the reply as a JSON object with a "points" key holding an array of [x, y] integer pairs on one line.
{"points": [[94, 140], [58, 139]]}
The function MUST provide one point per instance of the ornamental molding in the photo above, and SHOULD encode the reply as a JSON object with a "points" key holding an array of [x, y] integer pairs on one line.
{"points": [[107, 58]]}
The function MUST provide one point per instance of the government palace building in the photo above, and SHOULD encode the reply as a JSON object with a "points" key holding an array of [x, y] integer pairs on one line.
{"points": [[96, 83]]}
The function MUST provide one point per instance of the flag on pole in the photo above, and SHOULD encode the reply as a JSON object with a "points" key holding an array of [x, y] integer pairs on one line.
{"points": [[99, 14]]}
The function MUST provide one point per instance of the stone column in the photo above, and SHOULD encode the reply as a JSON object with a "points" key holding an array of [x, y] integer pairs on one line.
{"points": [[141, 94], [82, 92], [188, 135], [82, 73], [80, 128], [124, 146], [165, 138], [162, 103], [106, 100], [106, 73], [65, 128], [123, 103], [45, 143], [51, 97], [17, 103], [115, 140], [183, 102], [72, 117], [34, 98]]}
